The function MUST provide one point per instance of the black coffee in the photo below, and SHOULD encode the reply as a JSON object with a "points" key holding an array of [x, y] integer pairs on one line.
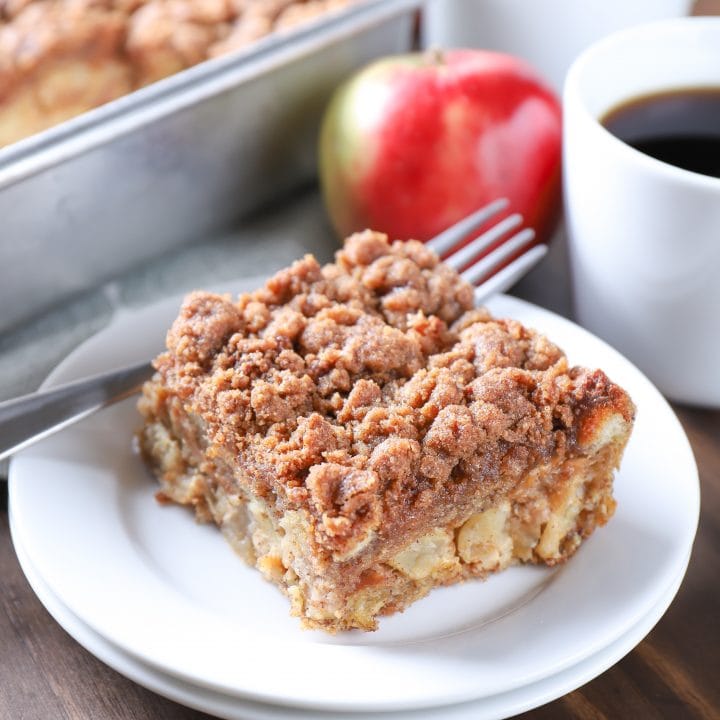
{"points": [[680, 127]]}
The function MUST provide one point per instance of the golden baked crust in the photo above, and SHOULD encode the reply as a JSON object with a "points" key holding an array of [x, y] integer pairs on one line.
{"points": [[362, 433], [59, 58]]}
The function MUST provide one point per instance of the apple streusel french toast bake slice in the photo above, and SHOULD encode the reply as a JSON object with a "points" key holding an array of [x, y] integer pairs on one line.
{"points": [[362, 433]]}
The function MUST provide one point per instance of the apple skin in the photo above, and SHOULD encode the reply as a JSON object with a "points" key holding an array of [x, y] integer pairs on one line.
{"points": [[413, 143]]}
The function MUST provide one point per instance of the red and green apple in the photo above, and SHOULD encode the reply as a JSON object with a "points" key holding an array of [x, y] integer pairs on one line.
{"points": [[413, 143]]}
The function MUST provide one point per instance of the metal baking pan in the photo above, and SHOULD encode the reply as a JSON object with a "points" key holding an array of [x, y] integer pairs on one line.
{"points": [[178, 160]]}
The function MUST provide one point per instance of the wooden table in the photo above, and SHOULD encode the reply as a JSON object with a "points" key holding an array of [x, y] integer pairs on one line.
{"points": [[673, 674]]}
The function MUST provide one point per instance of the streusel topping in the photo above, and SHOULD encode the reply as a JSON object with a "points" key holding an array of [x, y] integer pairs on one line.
{"points": [[369, 390]]}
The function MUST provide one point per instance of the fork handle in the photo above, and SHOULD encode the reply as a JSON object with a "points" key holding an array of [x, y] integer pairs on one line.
{"points": [[29, 418]]}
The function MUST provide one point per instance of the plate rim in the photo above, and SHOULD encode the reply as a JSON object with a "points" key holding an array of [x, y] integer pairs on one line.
{"points": [[211, 701]]}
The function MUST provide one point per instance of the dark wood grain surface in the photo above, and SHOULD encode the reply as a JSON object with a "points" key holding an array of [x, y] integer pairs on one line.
{"points": [[673, 674]]}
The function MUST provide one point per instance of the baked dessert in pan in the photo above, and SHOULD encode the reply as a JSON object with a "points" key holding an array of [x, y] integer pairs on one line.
{"points": [[59, 58], [361, 433]]}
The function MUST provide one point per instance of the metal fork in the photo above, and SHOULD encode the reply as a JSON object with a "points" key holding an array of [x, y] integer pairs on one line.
{"points": [[27, 419]]}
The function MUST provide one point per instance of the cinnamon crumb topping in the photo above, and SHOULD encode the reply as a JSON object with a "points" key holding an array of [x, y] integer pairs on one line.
{"points": [[126, 44], [369, 391]]}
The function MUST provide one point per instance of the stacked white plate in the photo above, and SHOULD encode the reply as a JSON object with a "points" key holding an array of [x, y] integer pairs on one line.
{"points": [[165, 602]]}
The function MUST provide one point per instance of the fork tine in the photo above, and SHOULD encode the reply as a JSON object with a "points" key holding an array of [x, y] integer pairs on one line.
{"points": [[447, 239], [469, 252], [498, 256], [510, 274]]}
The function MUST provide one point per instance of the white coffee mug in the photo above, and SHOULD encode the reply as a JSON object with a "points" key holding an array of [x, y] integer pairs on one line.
{"points": [[644, 235]]}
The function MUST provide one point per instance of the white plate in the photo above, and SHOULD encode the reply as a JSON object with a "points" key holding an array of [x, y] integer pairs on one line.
{"points": [[172, 594], [493, 707]]}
